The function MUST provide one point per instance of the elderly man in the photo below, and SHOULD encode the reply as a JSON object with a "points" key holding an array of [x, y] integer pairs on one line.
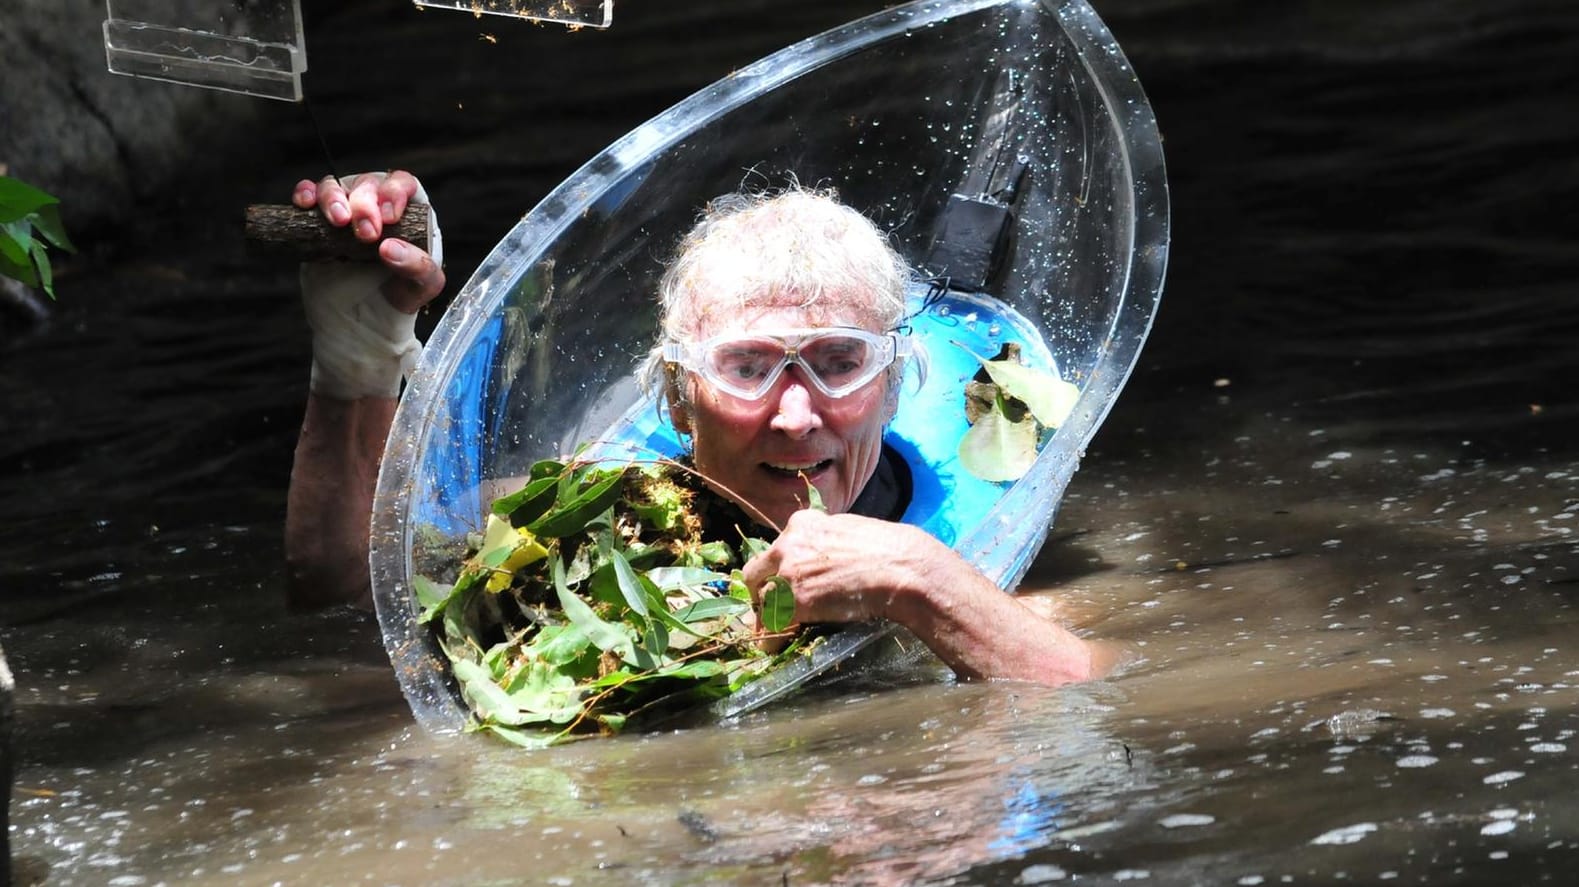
{"points": [[778, 362]]}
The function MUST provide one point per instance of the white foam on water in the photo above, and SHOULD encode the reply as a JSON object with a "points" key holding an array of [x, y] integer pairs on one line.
{"points": [[1349, 834]]}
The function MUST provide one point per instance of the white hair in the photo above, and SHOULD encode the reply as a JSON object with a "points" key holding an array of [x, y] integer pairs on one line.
{"points": [[792, 248]]}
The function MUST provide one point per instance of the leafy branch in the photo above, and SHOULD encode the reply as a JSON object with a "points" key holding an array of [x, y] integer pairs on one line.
{"points": [[29, 225], [594, 597]]}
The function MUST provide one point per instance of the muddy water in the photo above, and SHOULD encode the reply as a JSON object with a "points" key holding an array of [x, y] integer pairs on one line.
{"points": [[1332, 519]]}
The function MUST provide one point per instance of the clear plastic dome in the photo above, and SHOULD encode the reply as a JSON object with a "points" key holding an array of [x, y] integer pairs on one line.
{"points": [[940, 121]]}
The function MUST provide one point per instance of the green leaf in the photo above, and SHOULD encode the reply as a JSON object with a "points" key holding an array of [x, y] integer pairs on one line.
{"points": [[738, 589], [19, 199], [47, 221], [528, 503], [560, 645], [716, 554], [619, 678], [22, 271], [655, 641], [1049, 398], [696, 669], [521, 737], [456, 631], [995, 449], [751, 546], [547, 692], [630, 584], [710, 608], [16, 241], [497, 661], [24, 257], [567, 518], [813, 497], [487, 699], [431, 596], [778, 604], [46, 277], [607, 636]]}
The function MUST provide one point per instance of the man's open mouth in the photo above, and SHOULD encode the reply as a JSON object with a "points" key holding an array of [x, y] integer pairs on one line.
{"points": [[795, 469]]}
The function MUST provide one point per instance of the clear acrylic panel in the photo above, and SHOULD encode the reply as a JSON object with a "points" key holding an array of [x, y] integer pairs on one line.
{"points": [[253, 47], [1022, 113], [593, 13]]}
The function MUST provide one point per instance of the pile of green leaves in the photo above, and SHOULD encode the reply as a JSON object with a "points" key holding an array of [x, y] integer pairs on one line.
{"points": [[593, 600], [1011, 408], [29, 223]]}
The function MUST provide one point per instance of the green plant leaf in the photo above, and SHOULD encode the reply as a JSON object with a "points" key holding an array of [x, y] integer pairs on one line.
{"points": [[19, 200], [995, 449], [24, 257], [751, 546], [46, 276], [630, 584], [813, 496], [655, 641], [696, 669], [528, 503], [710, 608], [778, 604], [521, 737], [22, 271], [546, 692], [489, 701], [606, 635], [431, 596], [584, 505], [456, 632], [560, 645], [47, 221], [16, 241], [1049, 398], [718, 553]]}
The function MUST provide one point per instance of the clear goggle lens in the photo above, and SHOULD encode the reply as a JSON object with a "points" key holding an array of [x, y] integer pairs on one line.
{"points": [[835, 360]]}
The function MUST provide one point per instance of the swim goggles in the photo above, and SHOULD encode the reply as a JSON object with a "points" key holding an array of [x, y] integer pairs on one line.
{"points": [[835, 360]]}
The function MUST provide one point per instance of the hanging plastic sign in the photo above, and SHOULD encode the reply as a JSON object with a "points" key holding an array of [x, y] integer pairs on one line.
{"points": [[254, 47], [587, 13]]}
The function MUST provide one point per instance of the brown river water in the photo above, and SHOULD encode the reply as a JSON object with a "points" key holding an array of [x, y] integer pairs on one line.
{"points": [[1333, 516]]}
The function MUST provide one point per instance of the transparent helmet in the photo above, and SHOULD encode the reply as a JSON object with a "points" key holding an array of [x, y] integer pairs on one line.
{"points": [[1005, 145]]}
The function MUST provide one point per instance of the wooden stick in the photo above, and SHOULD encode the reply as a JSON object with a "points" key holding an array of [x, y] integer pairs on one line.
{"points": [[306, 235]]}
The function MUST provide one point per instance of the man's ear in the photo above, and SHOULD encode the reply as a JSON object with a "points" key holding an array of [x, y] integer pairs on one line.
{"points": [[679, 415]]}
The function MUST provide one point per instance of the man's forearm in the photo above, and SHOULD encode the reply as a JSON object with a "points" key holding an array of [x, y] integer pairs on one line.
{"points": [[331, 500], [981, 632]]}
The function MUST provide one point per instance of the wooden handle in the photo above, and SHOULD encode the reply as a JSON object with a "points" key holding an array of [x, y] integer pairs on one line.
{"points": [[306, 235]]}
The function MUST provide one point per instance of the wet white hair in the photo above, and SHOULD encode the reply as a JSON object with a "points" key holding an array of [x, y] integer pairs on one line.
{"points": [[790, 248]]}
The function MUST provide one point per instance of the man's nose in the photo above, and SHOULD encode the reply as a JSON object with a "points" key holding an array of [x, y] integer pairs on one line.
{"points": [[797, 414]]}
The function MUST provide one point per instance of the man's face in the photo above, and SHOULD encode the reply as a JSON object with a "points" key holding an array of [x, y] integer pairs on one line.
{"points": [[764, 451]]}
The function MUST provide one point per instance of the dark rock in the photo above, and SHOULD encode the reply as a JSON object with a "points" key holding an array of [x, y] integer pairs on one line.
{"points": [[96, 140]]}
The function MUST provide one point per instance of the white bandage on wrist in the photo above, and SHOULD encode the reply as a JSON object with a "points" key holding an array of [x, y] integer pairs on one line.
{"points": [[362, 345]]}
